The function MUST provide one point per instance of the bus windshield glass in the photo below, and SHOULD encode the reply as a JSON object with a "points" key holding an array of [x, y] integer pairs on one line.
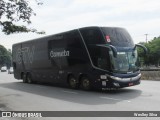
{"points": [[125, 62], [118, 37]]}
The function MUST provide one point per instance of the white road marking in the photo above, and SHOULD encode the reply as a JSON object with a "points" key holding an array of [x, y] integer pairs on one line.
{"points": [[69, 92], [114, 99]]}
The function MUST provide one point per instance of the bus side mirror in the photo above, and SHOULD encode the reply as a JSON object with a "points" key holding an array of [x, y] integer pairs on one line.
{"points": [[114, 50], [143, 47]]}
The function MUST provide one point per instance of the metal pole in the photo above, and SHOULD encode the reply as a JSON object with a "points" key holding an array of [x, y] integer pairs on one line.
{"points": [[146, 37]]}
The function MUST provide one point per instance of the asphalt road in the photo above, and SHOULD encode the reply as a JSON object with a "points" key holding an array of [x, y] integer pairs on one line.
{"points": [[18, 96]]}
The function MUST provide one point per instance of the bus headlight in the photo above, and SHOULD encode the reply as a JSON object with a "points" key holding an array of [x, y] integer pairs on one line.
{"points": [[116, 78], [116, 84], [104, 77]]}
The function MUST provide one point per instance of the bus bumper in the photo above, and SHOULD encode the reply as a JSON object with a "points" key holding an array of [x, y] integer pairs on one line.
{"points": [[116, 82]]}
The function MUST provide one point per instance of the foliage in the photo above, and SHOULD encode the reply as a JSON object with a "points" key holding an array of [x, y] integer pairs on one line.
{"points": [[153, 56], [13, 12], [5, 56]]}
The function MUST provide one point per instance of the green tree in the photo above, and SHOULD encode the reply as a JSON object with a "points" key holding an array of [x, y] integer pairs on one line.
{"points": [[153, 56], [155, 51], [5, 57], [142, 57], [14, 11]]}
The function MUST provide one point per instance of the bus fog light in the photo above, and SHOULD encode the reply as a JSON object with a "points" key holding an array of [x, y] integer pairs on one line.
{"points": [[116, 84], [103, 76], [103, 83]]}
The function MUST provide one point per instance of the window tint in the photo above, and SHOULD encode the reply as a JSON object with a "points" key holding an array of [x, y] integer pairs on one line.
{"points": [[57, 51], [67, 50], [118, 36], [76, 46], [92, 36], [73, 40], [100, 57]]}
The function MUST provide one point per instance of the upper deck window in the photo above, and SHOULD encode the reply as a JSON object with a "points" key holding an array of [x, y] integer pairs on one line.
{"points": [[118, 36], [92, 36]]}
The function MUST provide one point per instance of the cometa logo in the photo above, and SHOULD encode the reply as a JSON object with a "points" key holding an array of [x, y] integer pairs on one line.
{"points": [[59, 54]]}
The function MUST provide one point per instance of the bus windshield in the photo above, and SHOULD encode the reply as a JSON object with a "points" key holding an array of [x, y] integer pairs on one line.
{"points": [[125, 62], [118, 37]]}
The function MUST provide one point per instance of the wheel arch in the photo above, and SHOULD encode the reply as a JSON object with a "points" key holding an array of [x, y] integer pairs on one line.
{"points": [[68, 76], [81, 75]]}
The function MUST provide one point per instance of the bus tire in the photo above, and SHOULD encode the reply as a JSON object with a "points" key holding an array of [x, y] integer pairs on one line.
{"points": [[85, 84], [29, 78], [73, 82], [24, 78]]}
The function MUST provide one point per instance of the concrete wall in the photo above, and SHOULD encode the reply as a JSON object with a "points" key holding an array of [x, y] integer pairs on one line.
{"points": [[150, 75]]}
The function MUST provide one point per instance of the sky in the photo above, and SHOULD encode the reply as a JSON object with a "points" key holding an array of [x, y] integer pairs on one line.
{"points": [[139, 17]]}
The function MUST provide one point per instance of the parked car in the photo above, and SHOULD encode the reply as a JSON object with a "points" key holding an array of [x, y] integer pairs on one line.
{"points": [[10, 71], [3, 69]]}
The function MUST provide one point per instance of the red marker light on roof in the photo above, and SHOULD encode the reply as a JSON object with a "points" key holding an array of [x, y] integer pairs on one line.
{"points": [[108, 38]]}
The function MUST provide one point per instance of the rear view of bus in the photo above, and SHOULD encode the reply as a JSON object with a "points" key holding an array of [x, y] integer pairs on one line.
{"points": [[113, 55]]}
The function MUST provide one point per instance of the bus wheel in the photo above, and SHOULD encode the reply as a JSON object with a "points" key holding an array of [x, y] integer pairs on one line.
{"points": [[24, 78], [85, 83], [73, 83], [29, 78]]}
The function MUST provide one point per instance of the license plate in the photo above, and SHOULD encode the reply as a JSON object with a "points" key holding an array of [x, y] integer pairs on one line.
{"points": [[131, 84]]}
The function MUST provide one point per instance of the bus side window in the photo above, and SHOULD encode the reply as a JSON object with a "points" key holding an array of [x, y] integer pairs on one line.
{"points": [[92, 36], [101, 58]]}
